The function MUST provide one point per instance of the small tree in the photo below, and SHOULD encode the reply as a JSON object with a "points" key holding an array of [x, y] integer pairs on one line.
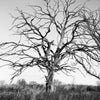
{"points": [[53, 36], [22, 83]]}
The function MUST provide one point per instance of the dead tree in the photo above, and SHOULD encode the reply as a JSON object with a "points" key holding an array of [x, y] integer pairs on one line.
{"points": [[53, 36]]}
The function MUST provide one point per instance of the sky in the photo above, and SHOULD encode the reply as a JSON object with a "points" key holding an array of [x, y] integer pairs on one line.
{"points": [[8, 7]]}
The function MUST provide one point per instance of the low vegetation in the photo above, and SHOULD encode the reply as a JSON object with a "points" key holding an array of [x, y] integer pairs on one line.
{"points": [[72, 92], [34, 91]]}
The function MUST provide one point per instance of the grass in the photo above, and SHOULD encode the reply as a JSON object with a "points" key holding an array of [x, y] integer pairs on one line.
{"points": [[73, 93], [62, 92], [69, 96]]}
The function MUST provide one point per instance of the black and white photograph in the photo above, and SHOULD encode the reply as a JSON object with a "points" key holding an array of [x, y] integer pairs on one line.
{"points": [[49, 49]]}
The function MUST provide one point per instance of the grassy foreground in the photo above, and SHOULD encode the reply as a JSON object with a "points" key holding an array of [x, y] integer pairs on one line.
{"points": [[34, 91]]}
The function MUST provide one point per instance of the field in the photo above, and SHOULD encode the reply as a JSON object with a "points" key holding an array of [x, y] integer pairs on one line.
{"points": [[34, 91]]}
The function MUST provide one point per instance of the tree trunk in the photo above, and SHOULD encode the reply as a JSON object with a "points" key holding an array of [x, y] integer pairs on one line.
{"points": [[49, 81]]}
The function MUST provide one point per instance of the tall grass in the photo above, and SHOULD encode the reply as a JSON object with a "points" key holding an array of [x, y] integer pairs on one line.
{"points": [[62, 92], [69, 96], [72, 94]]}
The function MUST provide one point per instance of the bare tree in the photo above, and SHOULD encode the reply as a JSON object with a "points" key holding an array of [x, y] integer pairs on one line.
{"points": [[53, 36]]}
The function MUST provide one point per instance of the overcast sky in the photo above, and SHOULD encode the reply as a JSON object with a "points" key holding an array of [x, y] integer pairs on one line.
{"points": [[9, 6]]}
